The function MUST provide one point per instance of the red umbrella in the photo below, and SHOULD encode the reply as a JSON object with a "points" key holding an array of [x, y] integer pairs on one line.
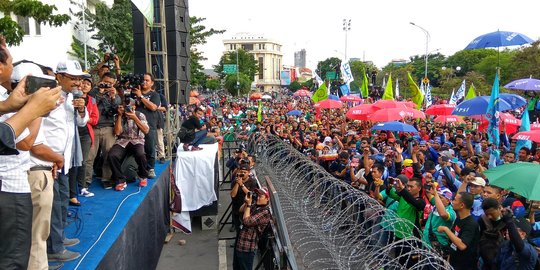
{"points": [[389, 104], [255, 96], [360, 112], [441, 109], [535, 126], [329, 104], [409, 104], [350, 98], [302, 93], [396, 114], [512, 123], [533, 135], [448, 119]]}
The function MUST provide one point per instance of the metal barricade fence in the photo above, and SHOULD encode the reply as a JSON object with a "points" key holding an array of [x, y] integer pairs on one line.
{"points": [[332, 225]]}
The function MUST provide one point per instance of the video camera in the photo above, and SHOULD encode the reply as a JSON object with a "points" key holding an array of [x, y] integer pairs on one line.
{"points": [[131, 81]]}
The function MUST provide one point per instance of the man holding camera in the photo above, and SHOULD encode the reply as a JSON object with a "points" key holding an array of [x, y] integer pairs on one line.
{"points": [[242, 185], [148, 102], [256, 217], [130, 127], [107, 100], [18, 110]]}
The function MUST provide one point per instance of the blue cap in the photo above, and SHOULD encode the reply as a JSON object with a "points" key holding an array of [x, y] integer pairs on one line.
{"points": [[422, 142], [431, 141], [416, 137], [437, 140], [449, 143]]}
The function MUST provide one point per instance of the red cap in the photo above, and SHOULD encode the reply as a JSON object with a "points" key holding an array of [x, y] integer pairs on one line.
{"points": [[263, 191]]}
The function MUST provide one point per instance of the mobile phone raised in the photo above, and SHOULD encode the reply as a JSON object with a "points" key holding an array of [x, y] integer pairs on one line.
{"points": [[33, 83]]}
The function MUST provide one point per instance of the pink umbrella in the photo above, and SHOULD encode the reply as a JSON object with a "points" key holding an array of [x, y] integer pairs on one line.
{"points": [[535, 126], [441, 109], [302, 93], [329, 104], [396, 114], [389, 104], [350, 98], [533, 135], [448, 119], [360, 112], [409, 104]]}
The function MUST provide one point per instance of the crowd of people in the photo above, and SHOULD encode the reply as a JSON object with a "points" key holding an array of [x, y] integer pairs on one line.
{"points": [[434, 179], [55, 140]]}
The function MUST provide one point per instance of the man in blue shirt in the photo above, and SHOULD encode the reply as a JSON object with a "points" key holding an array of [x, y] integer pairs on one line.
{"points": [[516, 252]]}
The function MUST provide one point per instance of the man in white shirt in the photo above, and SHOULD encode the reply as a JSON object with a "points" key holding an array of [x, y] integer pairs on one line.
{"points": [[15, 198], [57, 133]]}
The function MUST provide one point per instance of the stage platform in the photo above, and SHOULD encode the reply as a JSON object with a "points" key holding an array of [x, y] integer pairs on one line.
{"points": [[135, 237]]}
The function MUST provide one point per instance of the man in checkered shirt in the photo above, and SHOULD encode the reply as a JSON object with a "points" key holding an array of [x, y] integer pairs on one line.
{"points": [[255, 220]]}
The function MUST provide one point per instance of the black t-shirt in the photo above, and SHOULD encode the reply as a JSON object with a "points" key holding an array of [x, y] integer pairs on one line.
{"points": [[251, 185], [151, 116], [161, 115], [192, 123], [468, 231]]}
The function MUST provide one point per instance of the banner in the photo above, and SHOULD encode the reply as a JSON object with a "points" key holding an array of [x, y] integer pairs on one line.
{"points": [[321, 93], [317, 78], [525, 126], [452, 100], [285, 77], [146, 7], [429, 99], [492, 113], [345, 90], [346, 72], [459, 94], [397, 88]]}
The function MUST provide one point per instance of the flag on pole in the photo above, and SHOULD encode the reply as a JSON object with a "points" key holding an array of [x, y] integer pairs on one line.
{"points": [[452, 98], [146, 7], [492, 113], [429, 99], [317, 78], [259, 112], [388, 90], [470, 93], [397, 88], [364, 89], [460, 92], [345, 90], [416, 94], [346, 72], [422, 87], [383, 83], [525, 126], [321, 93]]}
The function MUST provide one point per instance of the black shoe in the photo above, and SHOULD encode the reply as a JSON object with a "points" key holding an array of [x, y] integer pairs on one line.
{"points": [[69, 242], [107, 184], [74, 202], [162, 160], [56, 266]]}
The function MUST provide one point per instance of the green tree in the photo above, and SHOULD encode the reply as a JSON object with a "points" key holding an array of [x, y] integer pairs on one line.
{"points": [[435, 63], [328, 65], [246, 62], [244, 84], [213, 84], [308, 84], [295, 86], [198, 34], [41, 13], [466, 59], [526, 62], [503, 60]]}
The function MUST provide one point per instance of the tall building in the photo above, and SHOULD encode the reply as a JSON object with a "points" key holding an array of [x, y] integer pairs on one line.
{"points": [[268, 54], [300, 58]]}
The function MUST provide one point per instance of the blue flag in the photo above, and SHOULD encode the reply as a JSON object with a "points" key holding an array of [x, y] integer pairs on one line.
{"points": [[345, 91], [492, 113], [525, 126]]}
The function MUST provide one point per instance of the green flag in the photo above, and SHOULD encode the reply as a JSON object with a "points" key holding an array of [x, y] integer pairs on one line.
{"points": [[146, 7], [321, 93], [417, 96], [388, 91], [364, 89], [259, 112], [470, 93]]}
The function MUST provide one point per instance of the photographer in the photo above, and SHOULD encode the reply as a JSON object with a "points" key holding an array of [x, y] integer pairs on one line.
{"points": [[242, 185], [256, 217], [130, 127], [147, 103], [107, 100], [516, 252], [103, 67]]}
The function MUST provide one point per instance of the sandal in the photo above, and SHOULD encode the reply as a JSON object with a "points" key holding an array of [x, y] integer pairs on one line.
{"points": [[74, 202], [186, 147], [195, 148]]}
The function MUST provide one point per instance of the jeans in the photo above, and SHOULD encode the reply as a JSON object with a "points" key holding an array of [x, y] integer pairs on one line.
{"points": [[199, 136], [77, 174], [55, 243], [15, 229], [117, 155], [243, 260], [150, 148]]}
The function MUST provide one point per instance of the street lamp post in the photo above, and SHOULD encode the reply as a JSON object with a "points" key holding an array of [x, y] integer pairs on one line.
{"points": [[237, 70], [427, 42], [346, 28]]}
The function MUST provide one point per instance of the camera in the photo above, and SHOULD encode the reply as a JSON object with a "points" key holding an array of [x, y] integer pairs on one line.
{"points": [[240, 175], [131, 81], [428, 186], [104, 85]]}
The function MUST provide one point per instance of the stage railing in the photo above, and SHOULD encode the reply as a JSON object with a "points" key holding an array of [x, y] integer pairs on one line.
{"points": [[331, 225]]}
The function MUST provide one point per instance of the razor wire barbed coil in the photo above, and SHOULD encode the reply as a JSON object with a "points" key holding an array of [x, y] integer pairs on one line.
{"points": [[331, 224]]}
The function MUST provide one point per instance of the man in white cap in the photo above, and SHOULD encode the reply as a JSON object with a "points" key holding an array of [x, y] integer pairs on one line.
{"points": [[59, 133], [18, 110]]}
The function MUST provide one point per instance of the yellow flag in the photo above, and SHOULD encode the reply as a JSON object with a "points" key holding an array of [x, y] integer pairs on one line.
{"points": [[321, 93], [417, 96], [470, 93], [388, 91]]}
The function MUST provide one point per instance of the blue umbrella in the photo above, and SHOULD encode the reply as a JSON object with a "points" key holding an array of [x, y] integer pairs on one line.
{"points": [[294, 112], [498, 39], [514, 100], [395, 126], [478, 106], [528, 84], [334, 97]]}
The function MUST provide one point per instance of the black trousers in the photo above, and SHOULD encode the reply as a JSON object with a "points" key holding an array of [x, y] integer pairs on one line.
{"points": [[117, 155], [76, 174], [150, 148], [15, 230]]}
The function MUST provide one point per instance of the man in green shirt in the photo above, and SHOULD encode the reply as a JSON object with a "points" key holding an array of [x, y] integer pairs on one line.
{"points": [[442, 215]]}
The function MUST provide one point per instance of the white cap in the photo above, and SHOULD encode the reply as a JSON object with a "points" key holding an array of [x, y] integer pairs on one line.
{"points": [[71, 67], [479, 181], [25, 69]]}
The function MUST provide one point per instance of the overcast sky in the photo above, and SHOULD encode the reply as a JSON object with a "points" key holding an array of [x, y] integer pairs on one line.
{"points": [[379, 29]]}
